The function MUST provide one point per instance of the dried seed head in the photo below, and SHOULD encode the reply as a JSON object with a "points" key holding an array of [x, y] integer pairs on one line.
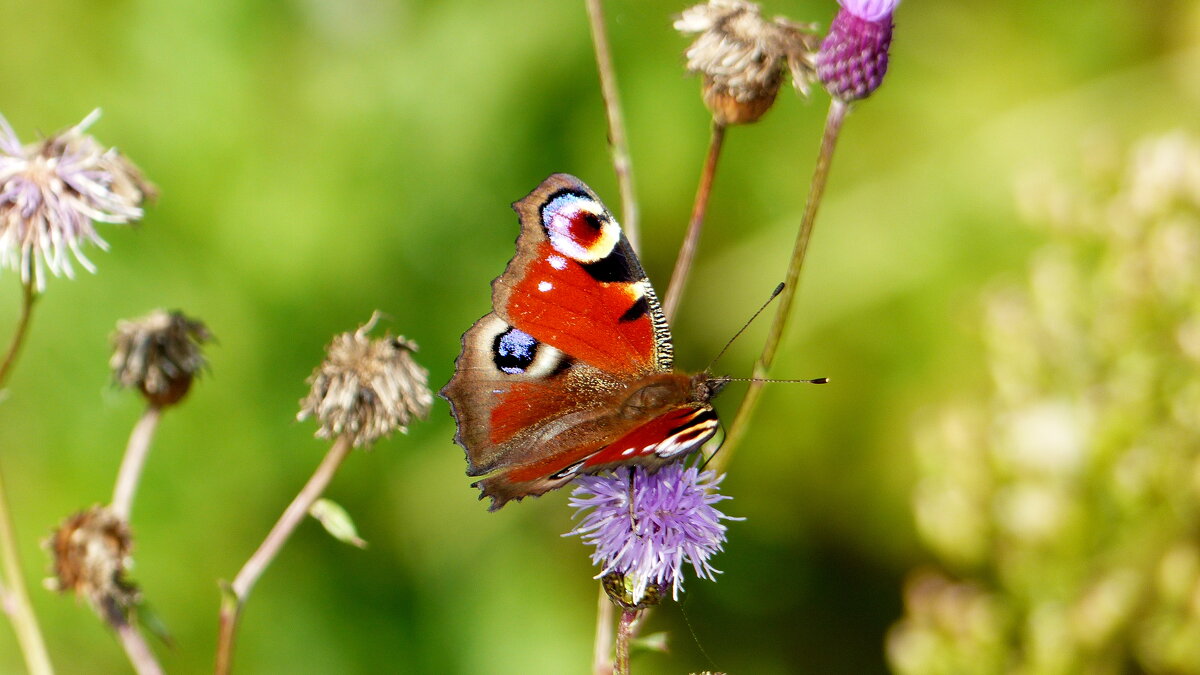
{"points": [[742, 57], [159, 354], [367, 388], [53, 190], [91, 552], [854, 56]]}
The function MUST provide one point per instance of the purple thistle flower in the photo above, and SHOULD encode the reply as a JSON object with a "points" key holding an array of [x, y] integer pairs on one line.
{"points": [[645, 526], [854, 56], [52, 191]]}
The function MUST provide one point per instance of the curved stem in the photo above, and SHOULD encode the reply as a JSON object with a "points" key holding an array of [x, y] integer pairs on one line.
{"points": [[691, 240], [616, 121], [17, 604], [18, 339], [29, 635], [235, 596], [626, 630], [139, 653], [833, 126], [135, 458]]}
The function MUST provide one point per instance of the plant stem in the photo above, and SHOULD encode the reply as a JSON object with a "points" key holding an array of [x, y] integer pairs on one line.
{"points": [[29, 296], [135, 458], [687, 251], [235, 596], [602, 652], [139, 653], [737, 430], [625, 632], [29, 634], [616, 122]]}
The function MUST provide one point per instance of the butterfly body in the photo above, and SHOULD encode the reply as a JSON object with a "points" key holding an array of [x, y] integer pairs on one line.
{"points": [[572, 371]]}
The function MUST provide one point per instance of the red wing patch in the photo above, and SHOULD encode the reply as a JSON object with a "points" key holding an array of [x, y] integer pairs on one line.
{"points": [[604, 324], [675, 433]]}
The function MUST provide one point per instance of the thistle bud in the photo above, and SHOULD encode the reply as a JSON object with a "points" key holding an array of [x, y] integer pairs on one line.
{"points": [[854, 56], [91, 552], [367, 388], [743, 57], [159, 354]]}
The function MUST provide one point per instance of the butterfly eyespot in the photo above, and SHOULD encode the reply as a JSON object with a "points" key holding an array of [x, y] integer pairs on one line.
{"points": [[579, 228], [514, 351]]}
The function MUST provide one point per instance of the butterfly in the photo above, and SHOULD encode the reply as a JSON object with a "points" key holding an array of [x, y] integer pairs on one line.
{"points": [[571, 372]]}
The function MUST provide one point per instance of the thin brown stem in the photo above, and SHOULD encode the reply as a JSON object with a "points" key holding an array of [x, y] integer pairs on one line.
{"points": [[602, 663], [236, 593], [691, 240], [737, 430], [29, 296], [139, 653], [616, 121], [135, 458], [626, 630], [16, 600]]}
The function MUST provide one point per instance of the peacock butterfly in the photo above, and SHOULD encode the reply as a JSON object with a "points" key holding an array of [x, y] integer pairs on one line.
{"points": [[571, 372]]}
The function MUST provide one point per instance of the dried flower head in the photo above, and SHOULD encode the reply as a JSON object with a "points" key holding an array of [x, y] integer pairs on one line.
{"points": [[51, 191], [742, 57], [159, 354], [645, 526], [854, 56], [367, 388], [91, 552]]}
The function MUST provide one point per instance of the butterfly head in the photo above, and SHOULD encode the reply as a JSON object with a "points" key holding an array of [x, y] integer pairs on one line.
{"points": [[705, 386]]}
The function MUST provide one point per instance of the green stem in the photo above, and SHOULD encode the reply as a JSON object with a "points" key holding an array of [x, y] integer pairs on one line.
{"points": [[691, 240], [616, 121], [29, 296], [737, 430], [29, 634], [234, 597]]}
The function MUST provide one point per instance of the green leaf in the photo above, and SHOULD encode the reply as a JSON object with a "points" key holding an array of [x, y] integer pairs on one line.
{"points": [[337, 522]]}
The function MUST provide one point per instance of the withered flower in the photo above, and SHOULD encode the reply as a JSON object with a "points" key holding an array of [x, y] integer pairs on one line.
{"points": [[743, 57], [52, 191], [159, 354], [367, 388], [91, 551]]}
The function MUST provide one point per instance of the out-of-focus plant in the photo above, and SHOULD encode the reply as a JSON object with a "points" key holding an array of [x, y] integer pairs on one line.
{"points": [[1064, 504]]}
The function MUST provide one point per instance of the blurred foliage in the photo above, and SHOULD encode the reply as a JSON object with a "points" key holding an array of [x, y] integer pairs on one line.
{"points": [[318, 160], [1069, 497]]}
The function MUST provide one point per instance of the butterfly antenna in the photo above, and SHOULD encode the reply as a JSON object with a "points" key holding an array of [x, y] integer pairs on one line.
{"points": [[774, 294]]}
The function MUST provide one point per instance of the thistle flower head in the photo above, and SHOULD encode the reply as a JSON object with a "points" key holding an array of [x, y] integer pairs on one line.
{"points": [[743, 57], [854, 56], [91, 551], [159, 354], [367, 388], [52, 191], [646, 526]]}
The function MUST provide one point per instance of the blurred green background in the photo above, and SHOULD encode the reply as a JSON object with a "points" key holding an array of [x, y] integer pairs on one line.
{"points": [[319, 160]]}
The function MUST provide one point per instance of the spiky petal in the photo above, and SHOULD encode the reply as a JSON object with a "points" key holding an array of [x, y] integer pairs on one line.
{"points": [[53, 190], [647, 526]]}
